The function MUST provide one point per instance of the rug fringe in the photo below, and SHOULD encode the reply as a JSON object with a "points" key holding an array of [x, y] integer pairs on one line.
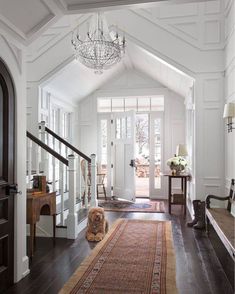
{"points": [[171, 287]]}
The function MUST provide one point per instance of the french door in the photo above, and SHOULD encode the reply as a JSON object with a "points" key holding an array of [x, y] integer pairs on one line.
{"points": [[6, 178], [116, 153], [123, 155]]}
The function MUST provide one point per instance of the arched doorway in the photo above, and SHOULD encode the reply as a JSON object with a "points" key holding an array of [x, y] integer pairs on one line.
{"points": [[7, 148]]}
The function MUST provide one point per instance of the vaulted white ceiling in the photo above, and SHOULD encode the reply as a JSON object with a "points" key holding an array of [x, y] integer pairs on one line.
{"points": [[41, 24], [76, 81]]}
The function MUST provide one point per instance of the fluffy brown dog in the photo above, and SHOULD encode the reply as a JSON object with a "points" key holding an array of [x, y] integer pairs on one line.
{"points": [[97, 225]]}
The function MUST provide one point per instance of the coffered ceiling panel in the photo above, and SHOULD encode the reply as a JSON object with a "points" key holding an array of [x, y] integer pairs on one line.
{"points": [[52, 35], [26, 15], [73, 5]]}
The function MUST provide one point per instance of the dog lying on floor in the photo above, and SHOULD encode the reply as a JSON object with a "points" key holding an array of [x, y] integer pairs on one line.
{"points": [[97, 225]]}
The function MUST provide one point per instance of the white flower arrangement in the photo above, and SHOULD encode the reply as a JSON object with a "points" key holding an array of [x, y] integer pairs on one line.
{"points": [[178, 163], [177, 160]]}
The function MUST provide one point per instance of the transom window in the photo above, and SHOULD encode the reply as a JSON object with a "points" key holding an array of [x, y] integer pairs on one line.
{"points": [[138, 104]]}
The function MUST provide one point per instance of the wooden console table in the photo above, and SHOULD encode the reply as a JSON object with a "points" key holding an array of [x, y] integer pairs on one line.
{"points": [[40, 203], [177, 198]]}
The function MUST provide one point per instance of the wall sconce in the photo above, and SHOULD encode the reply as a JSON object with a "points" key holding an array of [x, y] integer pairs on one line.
{"points": [[181, 150], [229, 113]]}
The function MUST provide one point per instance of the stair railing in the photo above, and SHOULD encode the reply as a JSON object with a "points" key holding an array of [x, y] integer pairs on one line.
{"points": [[35, 145], [80, 177], [72, 220]]}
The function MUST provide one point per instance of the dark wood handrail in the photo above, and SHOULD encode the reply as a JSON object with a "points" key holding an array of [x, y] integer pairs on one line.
{"points": [[48, 149], [68, 144]]}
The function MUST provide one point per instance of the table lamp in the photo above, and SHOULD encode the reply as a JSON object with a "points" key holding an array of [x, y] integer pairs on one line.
{"points": [[181, 150]]}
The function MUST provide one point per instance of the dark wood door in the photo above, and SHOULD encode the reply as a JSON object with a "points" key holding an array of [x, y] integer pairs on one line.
{"points": [[6, 177]]}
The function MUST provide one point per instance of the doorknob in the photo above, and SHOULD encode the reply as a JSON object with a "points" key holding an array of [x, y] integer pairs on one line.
{"points": [[132, 163], [12, 189]]}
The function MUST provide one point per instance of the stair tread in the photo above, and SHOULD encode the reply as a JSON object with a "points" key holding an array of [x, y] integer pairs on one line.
{"points": [[66, 205], [82, 214]]}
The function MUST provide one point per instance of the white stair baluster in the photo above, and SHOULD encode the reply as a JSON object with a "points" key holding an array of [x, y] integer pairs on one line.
{"points": [[94, 202], [54, 167], [29, 167], [86, 185], [66, 174], [72, 220], [44, 154], [78, 176], [61, 187], [37, 155]]}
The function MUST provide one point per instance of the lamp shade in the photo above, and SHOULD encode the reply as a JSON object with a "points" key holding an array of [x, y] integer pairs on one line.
{"points": [[181, 150], [229, 110]]}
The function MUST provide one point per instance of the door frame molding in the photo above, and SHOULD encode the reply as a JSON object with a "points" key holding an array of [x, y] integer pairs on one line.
{"points": [[8, 90]]}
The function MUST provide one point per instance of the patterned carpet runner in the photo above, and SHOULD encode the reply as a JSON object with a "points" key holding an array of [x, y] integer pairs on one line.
{"points": [[118, 205], [136, 256]]}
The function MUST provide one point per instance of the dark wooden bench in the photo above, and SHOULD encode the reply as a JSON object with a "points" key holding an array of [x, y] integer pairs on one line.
{"points": [[223, 223], [222, 220]]}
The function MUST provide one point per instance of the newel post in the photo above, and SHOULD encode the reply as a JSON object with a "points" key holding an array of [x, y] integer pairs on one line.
{"points": [[72, 219], [94, 202], [44, 154]]}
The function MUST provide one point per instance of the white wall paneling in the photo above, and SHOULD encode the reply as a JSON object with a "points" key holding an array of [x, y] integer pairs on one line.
{"points": [[209, 141]]}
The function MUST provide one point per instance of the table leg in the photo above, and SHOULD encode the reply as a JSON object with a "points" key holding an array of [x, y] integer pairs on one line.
{"points": [[185, 195], [31, 240], [54, 226], [34, 235], [169, 195]]}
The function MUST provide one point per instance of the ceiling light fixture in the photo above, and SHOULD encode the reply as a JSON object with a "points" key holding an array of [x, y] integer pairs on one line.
{"points": [[98, 50]]}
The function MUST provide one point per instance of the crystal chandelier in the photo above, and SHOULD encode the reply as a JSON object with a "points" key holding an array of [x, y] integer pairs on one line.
{"points": [[98, 50]]}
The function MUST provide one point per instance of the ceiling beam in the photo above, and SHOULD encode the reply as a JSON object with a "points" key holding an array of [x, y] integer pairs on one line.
{"points": [[83, 6]]}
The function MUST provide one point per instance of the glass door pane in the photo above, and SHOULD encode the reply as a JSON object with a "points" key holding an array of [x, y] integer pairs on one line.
{"points": [[157, 153], [104, 145], [142, 155]]}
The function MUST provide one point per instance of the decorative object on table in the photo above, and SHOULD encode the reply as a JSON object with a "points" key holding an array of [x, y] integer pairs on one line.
{"points": [[109, 267], [97, 225], [181, 150], [177, 164], [98, 50], [122, 205], [229, 114], [39, 184]]}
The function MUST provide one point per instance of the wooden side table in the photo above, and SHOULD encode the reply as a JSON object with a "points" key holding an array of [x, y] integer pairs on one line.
{"points": [[177, 198], [40, 203]]}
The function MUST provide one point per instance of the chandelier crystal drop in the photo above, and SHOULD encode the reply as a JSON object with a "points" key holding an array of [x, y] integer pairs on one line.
{"points": [[98, 51]]}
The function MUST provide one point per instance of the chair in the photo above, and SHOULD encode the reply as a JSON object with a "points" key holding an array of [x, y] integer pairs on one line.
{"points": [[100, 181]]}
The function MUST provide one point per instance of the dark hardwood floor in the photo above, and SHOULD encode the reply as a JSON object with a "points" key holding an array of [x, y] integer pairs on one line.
{"points": [[198, 270]]}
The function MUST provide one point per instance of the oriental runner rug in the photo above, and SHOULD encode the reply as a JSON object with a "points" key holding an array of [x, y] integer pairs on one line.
{"points": [[118, 205], [136, 256]]}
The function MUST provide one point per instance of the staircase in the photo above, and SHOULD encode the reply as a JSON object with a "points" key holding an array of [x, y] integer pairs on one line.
{"points": [[52, 156]]}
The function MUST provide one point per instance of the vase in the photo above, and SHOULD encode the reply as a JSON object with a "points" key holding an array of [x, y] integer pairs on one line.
{"points": [[176, 169]]}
